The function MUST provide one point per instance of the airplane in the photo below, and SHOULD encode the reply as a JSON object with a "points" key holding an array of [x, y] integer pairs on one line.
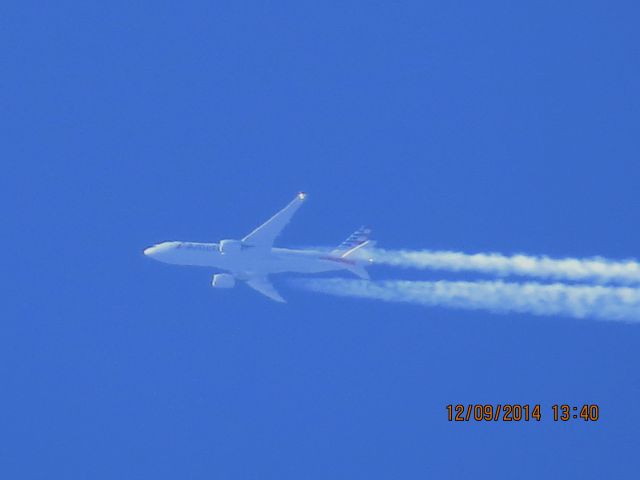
{"points": [[254, 258]]}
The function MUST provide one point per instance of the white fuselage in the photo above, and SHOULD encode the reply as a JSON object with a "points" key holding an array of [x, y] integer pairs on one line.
{"points": [[248, 261]]}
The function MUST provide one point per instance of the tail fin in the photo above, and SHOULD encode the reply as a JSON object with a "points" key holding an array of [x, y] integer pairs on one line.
{"points": [[355, 241]]}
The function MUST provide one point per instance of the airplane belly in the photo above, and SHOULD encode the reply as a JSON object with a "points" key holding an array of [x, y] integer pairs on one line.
{"points": [[251, 262], [196, 258], [300, 264]]}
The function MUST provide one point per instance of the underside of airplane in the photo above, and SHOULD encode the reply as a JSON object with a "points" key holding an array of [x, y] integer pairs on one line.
{"points": [[253, 258]]}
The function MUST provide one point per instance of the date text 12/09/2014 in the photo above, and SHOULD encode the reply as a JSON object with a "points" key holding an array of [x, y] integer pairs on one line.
{"points": [[516, 412]]}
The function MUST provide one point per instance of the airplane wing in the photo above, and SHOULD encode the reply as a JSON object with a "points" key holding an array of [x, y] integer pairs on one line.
{"points": [[265, 234], [263, 285]]}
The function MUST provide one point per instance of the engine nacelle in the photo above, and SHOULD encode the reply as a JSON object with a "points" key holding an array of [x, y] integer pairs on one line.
{"points": [[223, 280], [230, 247]]}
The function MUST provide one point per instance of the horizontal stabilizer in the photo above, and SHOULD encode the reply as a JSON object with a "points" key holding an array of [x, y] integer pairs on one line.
{"points": [[360, 271]]}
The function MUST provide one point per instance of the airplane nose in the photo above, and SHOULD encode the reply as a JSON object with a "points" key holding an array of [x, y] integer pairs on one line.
{"points": [[149, 251]]}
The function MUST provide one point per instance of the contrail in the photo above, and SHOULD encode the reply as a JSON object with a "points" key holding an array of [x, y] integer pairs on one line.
{"points": [[578, 301], [597, 270]]}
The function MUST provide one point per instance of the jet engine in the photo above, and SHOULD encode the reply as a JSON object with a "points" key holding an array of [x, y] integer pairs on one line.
{"points": [[223, 280], [230, 246]]}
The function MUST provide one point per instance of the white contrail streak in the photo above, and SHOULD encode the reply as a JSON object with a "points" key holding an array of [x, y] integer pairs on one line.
{"points": [[598, 270], [579, 301]]}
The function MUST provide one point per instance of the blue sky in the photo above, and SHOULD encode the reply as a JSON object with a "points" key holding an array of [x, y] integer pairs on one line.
{"points": [[472, 126]]}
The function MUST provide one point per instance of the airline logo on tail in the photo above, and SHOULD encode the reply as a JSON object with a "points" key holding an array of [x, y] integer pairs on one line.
{"points": [[355, 241]]}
